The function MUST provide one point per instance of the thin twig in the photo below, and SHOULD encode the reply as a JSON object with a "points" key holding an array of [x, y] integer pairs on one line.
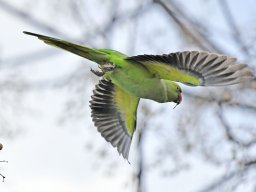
{"points": [[2, 176], [227, 177], [140, 161], [190, 28], [9, 8], [226, 126], [231, 22], [222, 101], [3, 161], [141, 136], [230, 136], [29, 58]]}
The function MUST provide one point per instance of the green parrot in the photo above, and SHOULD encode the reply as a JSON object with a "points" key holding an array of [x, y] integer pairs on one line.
{"points": [[127, 79]]}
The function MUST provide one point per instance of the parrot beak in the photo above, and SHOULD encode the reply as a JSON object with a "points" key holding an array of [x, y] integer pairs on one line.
{"points": [[178, 101], [176, 105]]}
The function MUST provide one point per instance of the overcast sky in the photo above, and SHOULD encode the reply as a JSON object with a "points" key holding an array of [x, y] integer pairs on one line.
{"points": [[48, 156]]}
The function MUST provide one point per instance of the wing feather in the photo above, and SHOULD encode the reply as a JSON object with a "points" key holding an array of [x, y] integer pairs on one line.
{"points": [[196, 68], [114, 115]]}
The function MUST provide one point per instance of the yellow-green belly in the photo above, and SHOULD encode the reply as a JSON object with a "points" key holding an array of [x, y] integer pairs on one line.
{"points": [[138, 81]]}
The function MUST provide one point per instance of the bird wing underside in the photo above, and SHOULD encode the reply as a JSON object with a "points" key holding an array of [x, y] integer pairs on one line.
{"points": [[196, 68], [114, 115]]}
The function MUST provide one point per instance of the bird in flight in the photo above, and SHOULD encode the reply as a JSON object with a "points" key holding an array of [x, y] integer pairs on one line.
{"points": [[124, 80]]}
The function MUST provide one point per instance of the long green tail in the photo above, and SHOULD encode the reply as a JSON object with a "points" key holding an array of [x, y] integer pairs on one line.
{"points": [[89, 53]]}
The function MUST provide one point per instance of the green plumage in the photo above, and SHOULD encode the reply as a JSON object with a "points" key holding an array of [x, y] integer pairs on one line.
{"points": [[127, 79]]}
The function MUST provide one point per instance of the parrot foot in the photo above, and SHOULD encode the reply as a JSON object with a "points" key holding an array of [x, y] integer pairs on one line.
{"points": [[98, 73], [108, 67], [104, 68]]}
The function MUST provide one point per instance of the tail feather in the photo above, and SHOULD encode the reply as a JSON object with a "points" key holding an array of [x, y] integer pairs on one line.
{"points": [[86, 52]]}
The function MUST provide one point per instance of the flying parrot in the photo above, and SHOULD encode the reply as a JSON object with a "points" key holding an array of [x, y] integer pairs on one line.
{"points": [[124, 80]]}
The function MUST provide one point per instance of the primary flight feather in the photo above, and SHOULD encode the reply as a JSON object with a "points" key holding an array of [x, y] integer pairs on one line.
{"points": [[127, 79]]}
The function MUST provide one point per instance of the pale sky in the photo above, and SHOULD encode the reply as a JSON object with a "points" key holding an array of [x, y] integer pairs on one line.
{"points": [[47, 156]]}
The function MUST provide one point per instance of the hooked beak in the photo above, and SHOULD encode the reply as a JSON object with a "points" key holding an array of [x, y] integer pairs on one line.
{"points": [[178, 100]]}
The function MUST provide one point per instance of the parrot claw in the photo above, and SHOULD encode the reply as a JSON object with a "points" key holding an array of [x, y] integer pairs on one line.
{"points": [[104, 68], [98, 73], [108, 67]]}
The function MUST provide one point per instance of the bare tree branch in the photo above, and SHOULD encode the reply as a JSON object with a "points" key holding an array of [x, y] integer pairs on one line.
{"points": [[140, 173], [231, 175], [90, 34], [3, 161], [141, 163], [28, 18], [228, 130], [250, 163], [25, 59], [188, 26], [2, 176], [231, 22], [222, 101]]}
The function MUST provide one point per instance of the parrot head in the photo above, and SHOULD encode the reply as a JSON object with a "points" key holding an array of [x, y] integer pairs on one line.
{"points": [[173, 92]]}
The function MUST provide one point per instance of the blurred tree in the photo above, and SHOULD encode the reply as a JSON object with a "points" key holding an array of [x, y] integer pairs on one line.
{"points": [[1, 147], [214, 125]]}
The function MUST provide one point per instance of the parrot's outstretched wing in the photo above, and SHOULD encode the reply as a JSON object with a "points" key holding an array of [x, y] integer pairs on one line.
{"points": [[86, 52], [196, 68], [114, 115]]}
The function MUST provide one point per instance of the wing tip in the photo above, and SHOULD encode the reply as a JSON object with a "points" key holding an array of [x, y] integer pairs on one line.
{"points": [[103, 117]]}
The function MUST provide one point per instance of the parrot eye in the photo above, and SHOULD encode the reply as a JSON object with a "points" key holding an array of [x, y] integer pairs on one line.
{"points": [[179, 89]]}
